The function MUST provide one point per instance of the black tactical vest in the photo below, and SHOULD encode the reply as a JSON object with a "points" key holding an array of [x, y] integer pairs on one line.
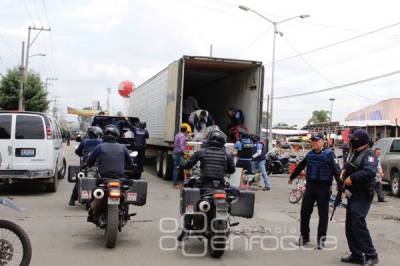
{"points": [[214, 163], [140, 137]]}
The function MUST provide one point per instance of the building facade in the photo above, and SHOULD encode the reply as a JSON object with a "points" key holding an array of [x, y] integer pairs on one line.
{"points": [[388, 110]]}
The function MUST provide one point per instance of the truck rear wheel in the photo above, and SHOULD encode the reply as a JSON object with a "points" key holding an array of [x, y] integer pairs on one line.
{"points": [[167, 166], [159, 163]]}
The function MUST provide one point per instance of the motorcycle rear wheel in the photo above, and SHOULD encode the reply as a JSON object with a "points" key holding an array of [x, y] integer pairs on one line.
{"points": [[7, 248], [112, 226]]}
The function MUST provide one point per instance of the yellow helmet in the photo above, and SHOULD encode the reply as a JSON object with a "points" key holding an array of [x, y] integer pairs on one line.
{"points": [[188, 128]]}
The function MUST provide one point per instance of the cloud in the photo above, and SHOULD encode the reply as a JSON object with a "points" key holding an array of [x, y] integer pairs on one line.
{"points": [[99, 15]]}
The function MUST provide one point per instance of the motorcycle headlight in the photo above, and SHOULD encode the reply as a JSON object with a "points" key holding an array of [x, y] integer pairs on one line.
{"points": [[134, 154]]}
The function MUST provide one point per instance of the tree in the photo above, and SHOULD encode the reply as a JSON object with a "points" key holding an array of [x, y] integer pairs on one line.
{"points": [[119, 113], [35, 97], [319, 117]]}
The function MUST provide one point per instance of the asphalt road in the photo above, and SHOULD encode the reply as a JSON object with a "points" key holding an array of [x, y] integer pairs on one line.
{"points": [[60, 234]]}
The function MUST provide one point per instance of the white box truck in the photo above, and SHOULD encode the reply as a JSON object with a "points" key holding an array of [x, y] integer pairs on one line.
{"points": [[217, 83]]}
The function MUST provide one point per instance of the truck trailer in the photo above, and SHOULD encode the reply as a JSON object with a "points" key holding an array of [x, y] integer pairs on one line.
{"points": [[217, 83]]}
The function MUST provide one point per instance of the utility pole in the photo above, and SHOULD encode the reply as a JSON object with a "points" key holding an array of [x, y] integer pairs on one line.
{"points": [[46, 84], [211, 50], [25, 69], [108, 100], [55, 109], [21, 83]]}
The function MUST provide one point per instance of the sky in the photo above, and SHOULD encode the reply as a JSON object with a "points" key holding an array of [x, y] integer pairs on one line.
{"points": [[96, 44]]}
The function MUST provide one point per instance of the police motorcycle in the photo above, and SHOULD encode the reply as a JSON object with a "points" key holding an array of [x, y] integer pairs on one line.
{"points": [[207, 208], [109, 204], [127, 138], [15, 246]]}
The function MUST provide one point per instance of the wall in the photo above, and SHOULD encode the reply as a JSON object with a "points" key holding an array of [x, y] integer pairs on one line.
{"points": [[384, 110]]}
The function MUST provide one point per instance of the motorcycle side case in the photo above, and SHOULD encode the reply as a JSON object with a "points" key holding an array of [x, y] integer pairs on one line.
{"points": [[85, 187], [243, 206], [137, 194], [73, 171], [189, 199]]}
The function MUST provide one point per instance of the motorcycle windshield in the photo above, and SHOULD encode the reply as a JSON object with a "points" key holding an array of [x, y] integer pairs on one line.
{"points": [[9, 203]]}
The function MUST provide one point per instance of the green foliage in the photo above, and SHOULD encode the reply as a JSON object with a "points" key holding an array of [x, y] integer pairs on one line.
{"points": [[35, 97], [319, 117]]}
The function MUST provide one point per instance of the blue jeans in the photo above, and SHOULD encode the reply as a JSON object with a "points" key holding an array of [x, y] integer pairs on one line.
{"points": [[260, 165], [177, 162]]}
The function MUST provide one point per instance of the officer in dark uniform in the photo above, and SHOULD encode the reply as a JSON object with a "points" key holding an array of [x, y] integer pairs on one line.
{"points": [[321, 167], [111, 155], [141, 134], [359, 179], [93, 138], [244, 147], [215, 163]]}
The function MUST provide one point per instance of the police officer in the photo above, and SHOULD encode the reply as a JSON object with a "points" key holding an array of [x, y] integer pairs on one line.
{"points": [[93, 138], [141, 134], [215, 163], [244, 147], [259, 160], [321, 167], [359, 179], [111, 155]]}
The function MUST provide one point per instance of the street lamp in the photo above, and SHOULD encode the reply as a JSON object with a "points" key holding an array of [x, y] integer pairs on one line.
{"points": [[332, 100], [275, 24], [37, 55]]}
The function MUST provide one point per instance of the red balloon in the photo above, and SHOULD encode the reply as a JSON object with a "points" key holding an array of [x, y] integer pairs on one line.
{"points": [[126, 88]]}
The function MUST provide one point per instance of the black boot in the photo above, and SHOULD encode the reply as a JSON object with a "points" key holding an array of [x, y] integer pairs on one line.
{"points": [[352, 260]]}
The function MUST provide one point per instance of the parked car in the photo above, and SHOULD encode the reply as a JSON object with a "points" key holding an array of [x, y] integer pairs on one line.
{"points": [[31, 149], [390, 160]]}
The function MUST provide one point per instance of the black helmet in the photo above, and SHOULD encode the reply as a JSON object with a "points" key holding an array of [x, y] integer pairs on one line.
{"points": [[359, 138], [94, 132], [216, 138], [111, 131], [142, 125]]}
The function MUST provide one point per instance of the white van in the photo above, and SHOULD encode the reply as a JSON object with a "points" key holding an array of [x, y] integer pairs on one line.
{"points": [[31, 148]]}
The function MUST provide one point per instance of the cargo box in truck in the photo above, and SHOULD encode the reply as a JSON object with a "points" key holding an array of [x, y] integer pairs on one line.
{"points": [[217, 83]]}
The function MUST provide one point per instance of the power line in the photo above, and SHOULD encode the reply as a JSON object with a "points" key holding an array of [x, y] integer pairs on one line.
{"points": [[8, 46], [37, 12], [340, 86], [253, 42], [337, 43], [316, 71], [29, 13], [45, 12]]}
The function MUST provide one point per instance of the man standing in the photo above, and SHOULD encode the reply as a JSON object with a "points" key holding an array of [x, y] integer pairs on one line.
{"points": [[379, 176], [244, 147], [259, 159], [179, 150], [321, 168], [141, 134], [359, 179], [201, 119]]}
